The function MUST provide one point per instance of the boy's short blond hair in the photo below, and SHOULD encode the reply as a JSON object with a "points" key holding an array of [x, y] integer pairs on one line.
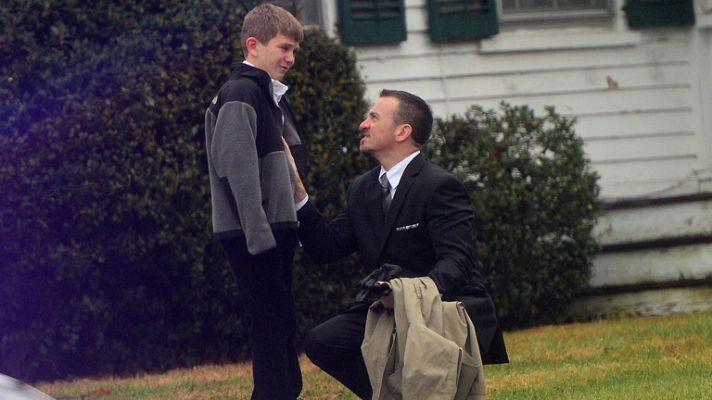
{"points": [[267, 21]]}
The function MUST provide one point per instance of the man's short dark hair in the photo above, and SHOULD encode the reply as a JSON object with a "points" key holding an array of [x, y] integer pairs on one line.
{"points": [[414, 111]]}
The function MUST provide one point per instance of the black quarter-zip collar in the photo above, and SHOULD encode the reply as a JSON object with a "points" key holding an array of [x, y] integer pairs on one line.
{"points": [[264, 81]]}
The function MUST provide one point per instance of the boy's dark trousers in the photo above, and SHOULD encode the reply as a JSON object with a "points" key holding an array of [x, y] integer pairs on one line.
{"points": [[265, 285]]}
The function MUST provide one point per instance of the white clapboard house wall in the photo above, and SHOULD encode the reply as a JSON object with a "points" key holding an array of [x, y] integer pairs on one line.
{"points": [[636, 74]]}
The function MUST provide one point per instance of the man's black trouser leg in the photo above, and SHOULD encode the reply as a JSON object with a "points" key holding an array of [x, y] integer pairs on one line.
{"points": [[265, 284], [335, 346]]}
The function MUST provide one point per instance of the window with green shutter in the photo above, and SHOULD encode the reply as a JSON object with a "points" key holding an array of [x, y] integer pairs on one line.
{"points": [[372, 21], [452, 20], [650, 13]]}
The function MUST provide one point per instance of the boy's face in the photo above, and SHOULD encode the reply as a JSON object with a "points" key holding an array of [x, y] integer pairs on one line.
{"points": [[276, 56]]}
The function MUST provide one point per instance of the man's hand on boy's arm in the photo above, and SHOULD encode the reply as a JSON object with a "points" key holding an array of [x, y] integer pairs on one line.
{"points": [[300, 192]]}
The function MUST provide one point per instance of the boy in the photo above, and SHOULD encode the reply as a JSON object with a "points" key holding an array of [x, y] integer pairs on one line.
{"points": [[251, 186]]}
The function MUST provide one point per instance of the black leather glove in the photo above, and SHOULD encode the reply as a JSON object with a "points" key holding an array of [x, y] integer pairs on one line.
{"points": [[374, 285]]}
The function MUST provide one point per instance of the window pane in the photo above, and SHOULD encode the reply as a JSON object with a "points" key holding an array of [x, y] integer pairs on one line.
{"points": [[523, 6], [536, 4], [460, 6], [581, 4], [381, 8]]}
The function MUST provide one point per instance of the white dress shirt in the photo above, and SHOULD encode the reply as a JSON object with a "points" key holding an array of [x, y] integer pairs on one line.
{"points": [[278, 88], [395, 174]]}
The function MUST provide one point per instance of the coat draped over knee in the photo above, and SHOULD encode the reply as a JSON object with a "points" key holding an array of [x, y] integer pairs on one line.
{"points": [[422, 349]]}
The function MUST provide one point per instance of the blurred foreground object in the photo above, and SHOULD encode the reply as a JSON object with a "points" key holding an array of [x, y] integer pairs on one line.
{"points": [[12, 389]]}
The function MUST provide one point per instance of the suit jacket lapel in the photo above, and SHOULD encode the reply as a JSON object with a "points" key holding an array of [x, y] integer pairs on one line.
{"points": [[409, 176]]}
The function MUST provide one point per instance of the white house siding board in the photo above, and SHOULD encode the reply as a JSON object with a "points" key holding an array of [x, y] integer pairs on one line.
{"points": [[602, 127], [669, 184], [653, 178], [570, 80], [631, 149], [644, 303], [418, 45], [702, 58], [526, 83], [653, 223], [567, 59], [652, 266], [380, 70], [577, 102]]}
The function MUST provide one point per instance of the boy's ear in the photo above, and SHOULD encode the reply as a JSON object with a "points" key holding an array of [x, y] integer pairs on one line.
{"points": [[251, 44]]}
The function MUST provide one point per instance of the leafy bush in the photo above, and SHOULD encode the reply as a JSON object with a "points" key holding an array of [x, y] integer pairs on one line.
{"points": [[107, 258], [535, 202]]}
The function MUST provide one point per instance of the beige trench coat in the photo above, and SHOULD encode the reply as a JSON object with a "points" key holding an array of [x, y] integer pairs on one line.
{"points": [[422, 349]]}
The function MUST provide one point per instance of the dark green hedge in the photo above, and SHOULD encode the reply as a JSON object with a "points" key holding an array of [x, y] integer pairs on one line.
{"points": [[535, 201], [108, 263]]}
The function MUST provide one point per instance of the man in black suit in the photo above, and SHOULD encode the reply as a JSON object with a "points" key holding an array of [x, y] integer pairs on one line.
{"points": [[406, 212]]}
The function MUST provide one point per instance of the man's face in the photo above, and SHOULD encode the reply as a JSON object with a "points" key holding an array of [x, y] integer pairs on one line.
{"points": [[379, 128], [277, 56]]}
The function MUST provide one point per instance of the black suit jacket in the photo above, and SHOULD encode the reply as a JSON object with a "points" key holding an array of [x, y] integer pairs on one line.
{"points": [[428, 228]]}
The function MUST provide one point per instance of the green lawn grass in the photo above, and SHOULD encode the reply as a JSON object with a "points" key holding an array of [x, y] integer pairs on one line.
{"points": [[638, 358]]}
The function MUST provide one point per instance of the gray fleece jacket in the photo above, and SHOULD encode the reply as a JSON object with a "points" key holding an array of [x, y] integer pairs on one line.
{"points": [[251, 182]]}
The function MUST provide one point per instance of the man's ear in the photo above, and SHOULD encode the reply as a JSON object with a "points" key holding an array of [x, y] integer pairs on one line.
{"points": [[403, 132]]}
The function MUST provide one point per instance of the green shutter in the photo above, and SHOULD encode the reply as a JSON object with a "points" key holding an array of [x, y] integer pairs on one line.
{"points": [[452, 20], [649, 13], [372, 21]]}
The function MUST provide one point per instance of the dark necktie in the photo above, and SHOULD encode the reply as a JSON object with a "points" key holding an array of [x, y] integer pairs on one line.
{"points": [[385, 192]]}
